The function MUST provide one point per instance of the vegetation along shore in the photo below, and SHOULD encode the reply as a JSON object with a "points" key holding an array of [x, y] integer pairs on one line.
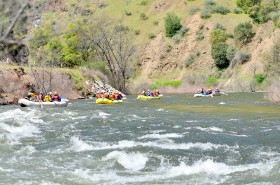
{"points": [[175, 46]]}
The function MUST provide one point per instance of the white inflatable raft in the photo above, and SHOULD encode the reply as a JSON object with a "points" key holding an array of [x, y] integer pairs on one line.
{"points": [[26, 103]]}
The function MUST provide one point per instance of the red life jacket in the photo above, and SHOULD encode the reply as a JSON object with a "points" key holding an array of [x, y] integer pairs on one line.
{"points": [[55, 98]]}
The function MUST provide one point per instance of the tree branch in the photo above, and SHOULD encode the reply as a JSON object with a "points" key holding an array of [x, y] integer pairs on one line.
{"points": [[11, 26]]}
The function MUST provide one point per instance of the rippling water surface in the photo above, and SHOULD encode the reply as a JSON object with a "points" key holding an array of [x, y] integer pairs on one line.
{"points": [[179, 139]]}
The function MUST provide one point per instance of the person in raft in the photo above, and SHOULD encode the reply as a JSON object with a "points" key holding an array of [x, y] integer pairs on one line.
{"points": [[48, 98], [31, 95], [41, 97], [56, 97]]}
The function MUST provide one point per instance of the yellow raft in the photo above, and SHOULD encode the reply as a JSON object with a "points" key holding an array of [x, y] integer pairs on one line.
{"points": [[107, 101], [141, 97]]}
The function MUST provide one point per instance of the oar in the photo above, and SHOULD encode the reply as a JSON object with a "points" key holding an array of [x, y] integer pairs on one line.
{"points": [[41, 104]]}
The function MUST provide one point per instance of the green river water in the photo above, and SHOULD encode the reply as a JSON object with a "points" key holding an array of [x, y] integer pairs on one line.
{"points": [[177, 140]]}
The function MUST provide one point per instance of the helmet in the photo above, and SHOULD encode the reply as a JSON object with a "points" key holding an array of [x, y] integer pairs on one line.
{"points": [[55, 92], [50, 93]]}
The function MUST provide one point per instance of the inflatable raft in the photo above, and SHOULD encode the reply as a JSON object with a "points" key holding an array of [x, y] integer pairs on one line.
{"points": [[202, 95], [107, 101], [141, 97], [27, 103]]}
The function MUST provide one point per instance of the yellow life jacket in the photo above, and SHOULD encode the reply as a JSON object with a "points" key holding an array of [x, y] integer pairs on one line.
{"points": [[47, 98]]}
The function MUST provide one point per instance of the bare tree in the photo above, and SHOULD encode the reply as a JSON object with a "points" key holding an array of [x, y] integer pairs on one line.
{"points": [[112, 44]]}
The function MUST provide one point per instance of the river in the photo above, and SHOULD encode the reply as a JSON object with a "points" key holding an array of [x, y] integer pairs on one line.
{"points": [[179, 139]]}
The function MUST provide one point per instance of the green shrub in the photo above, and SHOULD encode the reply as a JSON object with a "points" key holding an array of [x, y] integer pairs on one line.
{"points": [[143, 16], [156, 23], [260, 78], [209, 3], [231, 52], [237, 10], [190, 60], [218, 35], [219, 26], [243, 33], [205, 14], [194, 10], [219, 54], [177, 38], [220, 9], [128, 13], [183, 31], [176, 83], [210, 81], [172, 24], [242, 57], [137, 32], [151, 36], [199, 36], [246, 4], [144, 3], [278, 24]]}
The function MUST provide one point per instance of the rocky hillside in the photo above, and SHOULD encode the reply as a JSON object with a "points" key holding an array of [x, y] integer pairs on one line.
{"points": [[65, 34]]}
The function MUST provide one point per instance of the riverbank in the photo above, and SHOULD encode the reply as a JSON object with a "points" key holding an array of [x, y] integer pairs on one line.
{"points": [[72, 84]]}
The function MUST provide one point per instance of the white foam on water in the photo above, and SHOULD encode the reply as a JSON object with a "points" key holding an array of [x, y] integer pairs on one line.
{"points": [[160, 110], [207, 129], [103, 115], [201, 172], [48, 183], [6, 170], [130, 161], [79, 145], [16, 124], [191, 121], [177, 126], [222, 103], [15, 133], [161, 136], [27, 150], [164, 143], [215, 168], [170, 145], [44, 182], [233, 119]]}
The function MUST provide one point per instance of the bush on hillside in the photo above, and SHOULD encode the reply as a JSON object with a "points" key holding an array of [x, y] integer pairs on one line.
{"points": [[190, 60], [211, 81], [205, 14], [246, 4], [172, 24], [218, 35], [242, 57], [259, 78], [220, 9], [219, 54], [143, 16], [237, 10], [219, 26], [231, 52], [199, 36], [243, 33], [209, 3], [128, 13], [194, 10], [144, 3], [137, 32], [151, 36]]}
